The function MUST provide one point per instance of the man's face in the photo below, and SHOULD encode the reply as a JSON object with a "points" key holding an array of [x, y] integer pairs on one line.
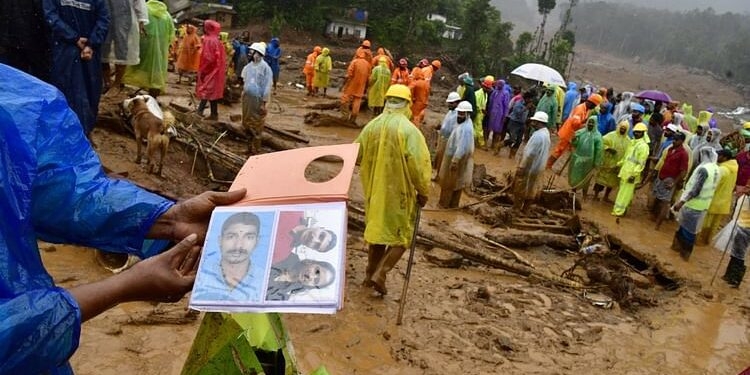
{"points": [[622, 130], [316, 238], [638, 135], [637, 116], [677, 142], [709, 136], [313, 275], [237, 242], [699, 130], [590, 124], [452, 105], [461, 117], [257, 56]]}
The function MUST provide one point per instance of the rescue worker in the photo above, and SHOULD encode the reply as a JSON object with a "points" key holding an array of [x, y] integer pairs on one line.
{"points": [[122, 46], [257, 79], [548, 105], [272, 56], [212, 70], [631, 166], [151, 72], [401, 74], [395, 173], [721, 204], [309, 69], [188, 54], [380, 79], [323, 66], [530, 168], [365, 49], [78, 31], [457, 165], [445, 128], [482, 95], [357, 76], [614, 145], [420, 94], [376, 59], [695, 201], [575, 121], [586, 156]]}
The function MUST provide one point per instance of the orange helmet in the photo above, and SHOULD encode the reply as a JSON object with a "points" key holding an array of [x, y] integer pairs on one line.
{"points": [[317, 49], [596, 99], [437, 64], [366, 43]]}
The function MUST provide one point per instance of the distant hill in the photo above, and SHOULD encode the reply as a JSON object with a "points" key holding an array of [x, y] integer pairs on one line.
{"points": [[518, 12], [720, 6]]}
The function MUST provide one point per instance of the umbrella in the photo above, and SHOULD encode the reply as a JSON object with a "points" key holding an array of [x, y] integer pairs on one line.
{"points": [[540, 72], [655, 95]]}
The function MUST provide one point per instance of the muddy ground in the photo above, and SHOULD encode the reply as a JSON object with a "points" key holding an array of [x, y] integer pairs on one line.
{"points": [[472, 319]]}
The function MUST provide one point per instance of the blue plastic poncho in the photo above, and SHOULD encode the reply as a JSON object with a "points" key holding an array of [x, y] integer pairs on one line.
{"points": [[80, 81], [606, 120], [53, 188], [572, 99], [272, 56]]}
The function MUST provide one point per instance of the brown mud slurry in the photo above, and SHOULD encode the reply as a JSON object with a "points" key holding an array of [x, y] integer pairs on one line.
{"points": [[472, 319]]}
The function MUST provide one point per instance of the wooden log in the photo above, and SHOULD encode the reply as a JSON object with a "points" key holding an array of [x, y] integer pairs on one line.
{"points": [[325, 106], [319, 119], [288, 134], [515, 254], [522, 238]]}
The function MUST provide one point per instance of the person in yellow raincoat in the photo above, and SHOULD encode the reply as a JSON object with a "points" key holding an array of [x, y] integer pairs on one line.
{"points": [[395, 172], [721, 204], [229, 50], [323, 66], [615, 144], [151, 72], [631, 167], [380, 79], [560, 98], [482, 95]]}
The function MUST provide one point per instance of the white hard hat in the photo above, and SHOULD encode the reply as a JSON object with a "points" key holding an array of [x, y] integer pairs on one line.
{"points": [[259, 47], [453, 97], [541, 117], [464, 106]]}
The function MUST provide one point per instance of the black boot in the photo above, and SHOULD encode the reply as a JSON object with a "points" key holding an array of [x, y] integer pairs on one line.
{"points": [[735, 272]]}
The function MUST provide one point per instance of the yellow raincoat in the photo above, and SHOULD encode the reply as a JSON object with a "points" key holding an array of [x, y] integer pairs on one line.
{"points": [[481, 100], [615, 145], [380, 80], [630, 166], [323, 66], [394, 167], [560, 97]]}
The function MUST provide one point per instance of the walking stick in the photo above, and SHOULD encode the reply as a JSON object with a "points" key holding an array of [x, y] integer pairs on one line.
{"points": [[551, 180], [408, 266], [731, 235]]}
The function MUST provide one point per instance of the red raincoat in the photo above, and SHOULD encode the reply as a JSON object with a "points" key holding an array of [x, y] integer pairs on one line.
{"points": [[212, 70]]}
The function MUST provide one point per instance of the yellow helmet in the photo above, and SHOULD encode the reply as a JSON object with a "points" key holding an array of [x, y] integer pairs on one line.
{"points": [[746, 125], [399, 91], [640, 127]]}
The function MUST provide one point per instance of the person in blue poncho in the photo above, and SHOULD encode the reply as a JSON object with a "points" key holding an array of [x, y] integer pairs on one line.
{"points": [[78, 31], [272, 56], [53, 188], [606, 120], [572, 99]]}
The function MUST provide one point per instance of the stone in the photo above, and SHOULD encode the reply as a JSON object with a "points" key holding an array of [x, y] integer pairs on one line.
{"points": [[443, 258]]}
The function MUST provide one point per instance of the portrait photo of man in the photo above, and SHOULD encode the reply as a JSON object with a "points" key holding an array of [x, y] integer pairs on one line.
{"points": [[296, 230], [293, 276], [235, 270]]}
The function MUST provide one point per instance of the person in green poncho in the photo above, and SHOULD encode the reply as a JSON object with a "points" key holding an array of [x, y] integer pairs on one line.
{"points": [[380, 79], [614, 145], [548, 105], [151, 72], [586, 156]]}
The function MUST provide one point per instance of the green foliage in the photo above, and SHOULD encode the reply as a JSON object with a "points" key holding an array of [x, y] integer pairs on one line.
{"points": [[546, 6], [698, 38], [277, 22]]}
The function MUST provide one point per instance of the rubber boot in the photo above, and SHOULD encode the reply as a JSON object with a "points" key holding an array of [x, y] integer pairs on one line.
{"points": [[735, 272], [390, 259]]}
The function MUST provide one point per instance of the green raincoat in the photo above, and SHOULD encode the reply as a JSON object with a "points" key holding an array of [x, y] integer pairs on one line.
{"points": [[151, 72], [587, 154], [614, 147], [323, 66], [380, 80], [394, 167], [690, 119], [548, 105]]}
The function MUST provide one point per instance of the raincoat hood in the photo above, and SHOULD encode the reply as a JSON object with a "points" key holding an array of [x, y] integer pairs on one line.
{"points": [[325, 51], [499, 84], [275, 42], [212, 28], [687, 109], [627, 96], [360, 54], [418, 74], [191, 29], [572, 86], [595, 119], [224, 36]]}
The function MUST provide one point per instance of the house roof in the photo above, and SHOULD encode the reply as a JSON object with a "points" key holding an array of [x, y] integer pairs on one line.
{"points": [[347, 22]]}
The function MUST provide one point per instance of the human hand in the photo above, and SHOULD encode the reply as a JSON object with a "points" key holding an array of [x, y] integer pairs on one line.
{"points": [[165, 277], [141, 28], [422, 200], [631, 179], [87, 53], [192, 215], [677, 206], [81, 43]]}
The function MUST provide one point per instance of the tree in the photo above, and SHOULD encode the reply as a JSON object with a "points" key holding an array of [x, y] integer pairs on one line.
{"points": [[544, 7]]}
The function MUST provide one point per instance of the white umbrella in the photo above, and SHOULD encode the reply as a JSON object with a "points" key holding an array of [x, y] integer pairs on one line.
{"points": [[540, 72]]}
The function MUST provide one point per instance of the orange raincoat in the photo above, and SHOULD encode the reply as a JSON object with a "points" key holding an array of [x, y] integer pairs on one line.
{"points": [[420, 94], [381, 52], [575, 121], [357, 76], [368, 55], [189, 51], [309, 68], [401, 76]]}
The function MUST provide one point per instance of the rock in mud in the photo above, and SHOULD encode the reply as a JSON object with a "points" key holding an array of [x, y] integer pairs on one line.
{"points": [[443, 258]]}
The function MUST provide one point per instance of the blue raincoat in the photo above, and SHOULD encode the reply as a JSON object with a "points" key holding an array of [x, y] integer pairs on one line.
{"points": [[572, 99], [52, 188], [80, 81], [273, 54], [606, 120]]}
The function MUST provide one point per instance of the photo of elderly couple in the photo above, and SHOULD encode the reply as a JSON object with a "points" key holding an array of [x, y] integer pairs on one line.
{"points": [[272, 256]]}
